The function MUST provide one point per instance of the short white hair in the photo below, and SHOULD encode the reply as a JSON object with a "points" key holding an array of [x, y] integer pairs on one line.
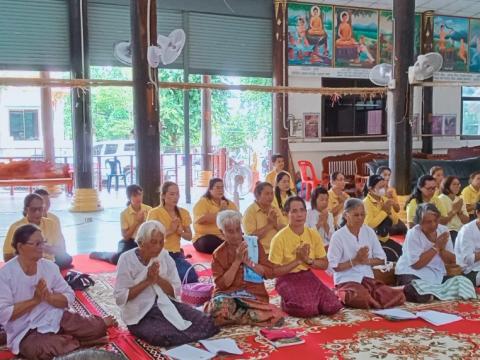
{"points": [[228, 217], [145, 231]]}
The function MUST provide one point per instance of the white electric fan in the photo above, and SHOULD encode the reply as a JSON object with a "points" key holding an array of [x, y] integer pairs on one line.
{"points": [[381, 74], [425, 66], [238, 182]]}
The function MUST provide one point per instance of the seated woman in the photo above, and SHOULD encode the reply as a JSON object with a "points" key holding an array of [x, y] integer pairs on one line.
{"points": [[240, 297], [303, 294], [426, 251], [391, 193], [318, 217], [471, 193], [438, 174], [467, 248], [381, 216], [33, 208], [423, 193], [282, 192], [337, 196], [207, 235], [451, 206], [146, 288], [261, 219], [130, 220], [34, 301], [177, 221], [353, 250]]}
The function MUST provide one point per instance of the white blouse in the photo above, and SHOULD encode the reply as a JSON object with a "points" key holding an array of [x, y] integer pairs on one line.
{"points": [[344, 247], [130, 272], [312, 220], [416, 243], [466, 244], [16, 286]]}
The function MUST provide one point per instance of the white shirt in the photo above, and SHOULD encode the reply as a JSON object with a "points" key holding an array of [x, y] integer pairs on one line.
{"points": [[312, 220], [130, 272], [344, 247], [466, 244], [416, 243], [16, 286]]}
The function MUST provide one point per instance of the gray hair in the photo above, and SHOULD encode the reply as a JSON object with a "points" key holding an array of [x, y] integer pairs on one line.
{"points": [[352, 203], [145, 231], [422, 210], [88, 354], [228, 217]]}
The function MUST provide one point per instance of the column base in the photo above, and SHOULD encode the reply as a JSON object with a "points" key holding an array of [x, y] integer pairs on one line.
{"points": [[203, 178], [85, 200]]}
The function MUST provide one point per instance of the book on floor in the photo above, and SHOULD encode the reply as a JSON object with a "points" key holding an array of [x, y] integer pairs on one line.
{"points": [[436, 318], [188, 352], [217, 346], [281, 337]]}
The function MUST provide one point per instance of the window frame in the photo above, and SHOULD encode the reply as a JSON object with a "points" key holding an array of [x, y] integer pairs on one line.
{"points": [[464, 98], [350, 82], [35, 125]]}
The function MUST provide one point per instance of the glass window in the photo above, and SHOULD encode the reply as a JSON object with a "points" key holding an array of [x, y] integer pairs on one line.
{"points": [[129, 147], [97, 150], [470, 111], [24, 124], [111, 149]]}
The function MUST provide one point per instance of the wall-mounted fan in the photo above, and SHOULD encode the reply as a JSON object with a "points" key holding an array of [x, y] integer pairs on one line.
{"points": [[425, 66], [381, 74], [238, 182], [122, 51]]}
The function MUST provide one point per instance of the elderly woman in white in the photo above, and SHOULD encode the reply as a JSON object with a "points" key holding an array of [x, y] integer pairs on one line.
{"points": [[34, 301], [467, 248], [146, 289], [427, 250]]}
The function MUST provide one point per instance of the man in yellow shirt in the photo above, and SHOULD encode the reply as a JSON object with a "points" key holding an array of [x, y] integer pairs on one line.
{"points": [[303, 294], [278, 162], [55, 244], [471, 194]]}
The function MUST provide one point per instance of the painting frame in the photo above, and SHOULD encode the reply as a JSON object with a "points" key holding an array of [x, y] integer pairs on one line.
{"points": [[311, 125], [450, 39], [474, 45]]}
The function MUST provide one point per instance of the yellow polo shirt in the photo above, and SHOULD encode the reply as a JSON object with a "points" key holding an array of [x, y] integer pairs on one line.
{"points": [[50, 231], [412, 208], [271, 177], [282, 213], [470, 196], [128, 217], [255, 218], [333, 201], [206, 206], [375, 215], [284, 246], [172, 241], [445, 206]]}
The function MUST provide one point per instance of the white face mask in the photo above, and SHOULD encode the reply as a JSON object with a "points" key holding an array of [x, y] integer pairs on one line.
{"points": [[380, 192]]}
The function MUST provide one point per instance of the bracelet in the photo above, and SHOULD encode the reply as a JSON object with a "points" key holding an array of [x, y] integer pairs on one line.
{"points": [[351, 263], [310, 262], [435, 249]]}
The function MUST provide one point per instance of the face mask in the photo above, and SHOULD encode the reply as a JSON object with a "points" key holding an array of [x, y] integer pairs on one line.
{"points": [[380, 192]]}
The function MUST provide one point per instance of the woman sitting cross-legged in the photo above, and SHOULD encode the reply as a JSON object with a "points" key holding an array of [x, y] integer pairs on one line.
{"points": [[130, 220], [177, 221], [207, 235], [353, 250], [54, 249], [303, 294], [381, 215], [426, 251], [467, 248], [34, 301], [262, 219], [146, 289], [240, 296]]}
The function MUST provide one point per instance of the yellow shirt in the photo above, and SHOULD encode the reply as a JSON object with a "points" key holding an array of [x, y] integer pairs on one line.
{"points": [[470, 196], [333, 202], [375, 215], [412, 208], [206, 206], [282, 213], [50, 231], [445, 206], [271, 177], [128, 218], [172, 242], [255, 218], [284, 246]]}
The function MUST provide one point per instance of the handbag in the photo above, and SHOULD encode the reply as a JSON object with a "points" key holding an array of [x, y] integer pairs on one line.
{"points": [[385, 273], [78, 280], [196, 293]]}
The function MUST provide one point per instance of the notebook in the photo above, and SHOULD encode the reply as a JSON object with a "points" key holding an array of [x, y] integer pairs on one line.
{"points": [[188, 352], [282, 342], [436, 318], [221, 346]]}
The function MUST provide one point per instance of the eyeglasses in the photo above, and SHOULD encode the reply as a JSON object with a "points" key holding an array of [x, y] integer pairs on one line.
{"points": [[431, 188], [36, 244]]}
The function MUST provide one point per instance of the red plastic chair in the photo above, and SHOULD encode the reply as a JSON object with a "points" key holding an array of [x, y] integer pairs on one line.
{"points": [[310, 182]]}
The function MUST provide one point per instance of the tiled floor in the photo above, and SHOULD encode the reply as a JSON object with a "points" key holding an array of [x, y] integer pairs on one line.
{"points": [[84, 232]]}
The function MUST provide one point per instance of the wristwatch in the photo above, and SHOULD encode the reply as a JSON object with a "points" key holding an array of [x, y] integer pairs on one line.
{"points": [[310, 262]]}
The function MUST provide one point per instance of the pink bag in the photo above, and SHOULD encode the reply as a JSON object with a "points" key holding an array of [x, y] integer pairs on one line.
{"points": [[196, 293]]}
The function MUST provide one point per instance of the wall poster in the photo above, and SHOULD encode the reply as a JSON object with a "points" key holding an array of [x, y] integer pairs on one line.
{"points": [[450, 39], [474, 48], [311, 121]]}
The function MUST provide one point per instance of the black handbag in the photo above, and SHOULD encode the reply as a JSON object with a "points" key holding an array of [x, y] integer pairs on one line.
{"points": [[78, 280]]}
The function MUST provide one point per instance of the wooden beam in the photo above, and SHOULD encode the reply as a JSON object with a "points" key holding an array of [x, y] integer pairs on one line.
{"points": [[145, 102], [206, 125], [427, 92]]}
